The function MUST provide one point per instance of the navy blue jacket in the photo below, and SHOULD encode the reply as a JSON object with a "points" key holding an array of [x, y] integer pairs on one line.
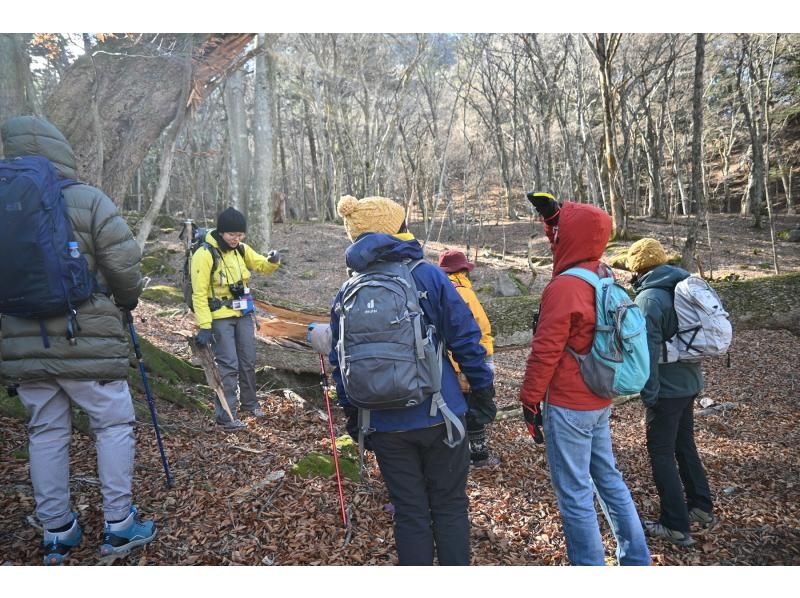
{"points": [[444, 308]]}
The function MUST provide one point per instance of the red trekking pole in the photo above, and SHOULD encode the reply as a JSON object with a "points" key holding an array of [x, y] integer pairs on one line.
{"points": [[323, 380]]}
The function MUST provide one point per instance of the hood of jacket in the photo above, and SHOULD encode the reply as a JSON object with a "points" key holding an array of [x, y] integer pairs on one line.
{"points": [[34, 136], [583, 233], [661, 277], [371, 247]]}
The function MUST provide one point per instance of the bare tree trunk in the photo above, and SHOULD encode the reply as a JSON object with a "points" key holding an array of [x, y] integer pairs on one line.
{"points": [[238, 147], [167, 154], [785, 170], [260, 214], [767, 97], [287, 207], [750, 109], [604, 49], [15, 87], [696, 204], [312, 148]]}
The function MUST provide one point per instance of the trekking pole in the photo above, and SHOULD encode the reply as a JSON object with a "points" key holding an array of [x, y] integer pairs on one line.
{"points": [[137, 350], [323, 380]]}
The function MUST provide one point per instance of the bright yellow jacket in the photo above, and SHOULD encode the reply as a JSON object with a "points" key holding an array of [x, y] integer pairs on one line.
{"points": [[464, 287], [231, 268]]}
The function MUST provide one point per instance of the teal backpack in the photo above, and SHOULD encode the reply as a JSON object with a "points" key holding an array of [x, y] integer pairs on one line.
{"points": [[619, 361]]}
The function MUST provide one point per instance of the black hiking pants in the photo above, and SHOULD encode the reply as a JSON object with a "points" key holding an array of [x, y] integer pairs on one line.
{"points": [[677, 471], [427, 484]]}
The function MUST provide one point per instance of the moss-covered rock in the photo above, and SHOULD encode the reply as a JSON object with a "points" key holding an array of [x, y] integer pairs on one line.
{"points": [[168, 366], [511, 318], [765, 302], [153, 265], [163, 295], [319, 465]]}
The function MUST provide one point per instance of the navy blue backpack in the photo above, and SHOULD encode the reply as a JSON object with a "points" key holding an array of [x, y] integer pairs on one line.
{"points": [[42, 273]]}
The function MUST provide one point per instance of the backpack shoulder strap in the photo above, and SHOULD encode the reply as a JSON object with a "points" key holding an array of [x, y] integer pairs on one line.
{"points": [[584, 274]]}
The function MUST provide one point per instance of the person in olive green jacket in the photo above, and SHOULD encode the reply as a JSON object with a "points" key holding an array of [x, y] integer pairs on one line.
{"points": [[92, 372], [223, 310], [669, 396]]}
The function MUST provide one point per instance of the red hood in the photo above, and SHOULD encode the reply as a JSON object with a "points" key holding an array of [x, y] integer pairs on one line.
{"points": [[583, 233]]}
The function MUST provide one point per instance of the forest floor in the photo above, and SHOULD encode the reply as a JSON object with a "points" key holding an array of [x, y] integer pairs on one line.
{"points": [[235, 500]]}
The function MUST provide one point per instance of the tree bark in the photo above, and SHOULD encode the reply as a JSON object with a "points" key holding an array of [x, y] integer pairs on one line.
{"points": [[696, 203], [260, 213], [167, 155], [604, 49], [139, 87], [238, 147], [15, 87]]}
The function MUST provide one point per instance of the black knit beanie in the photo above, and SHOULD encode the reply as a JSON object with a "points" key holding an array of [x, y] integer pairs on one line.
{"points": [[231, 220]]}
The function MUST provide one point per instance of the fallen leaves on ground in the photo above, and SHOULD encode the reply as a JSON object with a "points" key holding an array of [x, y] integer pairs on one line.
{"points": [[232, 503]]}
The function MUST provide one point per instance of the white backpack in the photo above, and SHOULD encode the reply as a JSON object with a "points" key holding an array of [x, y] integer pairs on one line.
{"points": [[703, 326]]}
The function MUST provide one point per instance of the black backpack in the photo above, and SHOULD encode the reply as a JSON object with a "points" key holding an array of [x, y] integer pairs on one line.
{"points": [[43, 272], [195, 238]]}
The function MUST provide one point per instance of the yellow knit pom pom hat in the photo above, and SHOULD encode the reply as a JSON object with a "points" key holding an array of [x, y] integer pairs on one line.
{"points": [[645, 254], [370, 215]]}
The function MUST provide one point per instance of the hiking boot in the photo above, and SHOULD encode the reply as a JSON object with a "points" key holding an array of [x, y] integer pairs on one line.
{"points": [[234, 425], [119, 538], [488, 461], [656, 529], [58, 544], [704, 518]]}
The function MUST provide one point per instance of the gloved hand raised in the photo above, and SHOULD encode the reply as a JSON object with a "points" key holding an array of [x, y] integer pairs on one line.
{"points": [[533, 419], [546, 205], [274, 257], [204, 337]]}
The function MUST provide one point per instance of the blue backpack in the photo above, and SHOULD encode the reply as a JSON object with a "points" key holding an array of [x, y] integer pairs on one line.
{"points": [[42, 271], [619, 361]]}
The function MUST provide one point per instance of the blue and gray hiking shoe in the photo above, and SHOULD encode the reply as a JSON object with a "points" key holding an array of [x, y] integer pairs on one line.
{"points": [[120, 537], [58, 544]]}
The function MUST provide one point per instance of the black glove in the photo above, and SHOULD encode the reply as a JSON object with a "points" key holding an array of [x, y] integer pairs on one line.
{"points": [[128, 306], [533, 419], [546, 205], [274, 257], [482, 408], [204, 337]]}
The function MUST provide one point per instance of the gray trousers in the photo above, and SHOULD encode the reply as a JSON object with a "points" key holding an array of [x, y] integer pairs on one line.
{"points": [[111, 417], [235, 353]]}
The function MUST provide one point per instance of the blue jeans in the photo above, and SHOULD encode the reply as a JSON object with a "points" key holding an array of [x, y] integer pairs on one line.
{"points": [[581, 462]]}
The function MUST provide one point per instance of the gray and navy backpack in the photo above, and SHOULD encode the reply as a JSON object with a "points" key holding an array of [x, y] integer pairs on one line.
{"points": [[43, 272], [388, 354]]}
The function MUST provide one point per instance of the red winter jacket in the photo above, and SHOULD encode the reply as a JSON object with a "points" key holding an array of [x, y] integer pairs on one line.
{"points": [[567, 312]]}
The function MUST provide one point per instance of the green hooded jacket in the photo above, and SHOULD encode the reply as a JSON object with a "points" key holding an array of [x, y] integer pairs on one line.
{"points": [[106, 241], [654, 296]]}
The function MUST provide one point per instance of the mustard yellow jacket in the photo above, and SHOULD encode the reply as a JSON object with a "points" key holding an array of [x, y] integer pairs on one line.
{"points": [[231, 268], [464, 287]]}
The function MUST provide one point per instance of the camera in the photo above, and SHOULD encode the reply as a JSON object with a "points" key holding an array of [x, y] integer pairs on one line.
{"points": [[237, 289]]}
